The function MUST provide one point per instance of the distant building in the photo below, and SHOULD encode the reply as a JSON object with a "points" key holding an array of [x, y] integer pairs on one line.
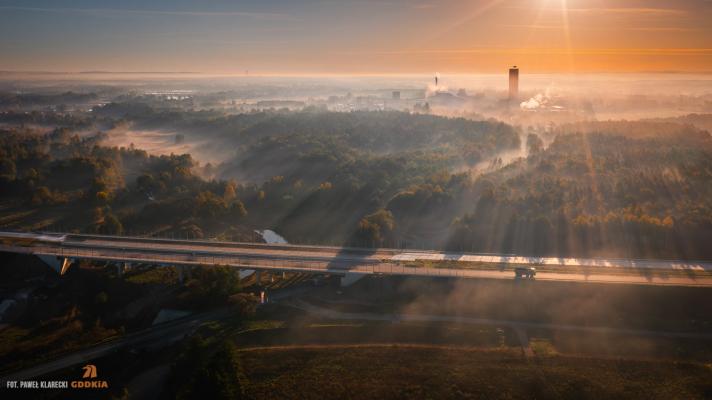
{"points": [[396, 95], [445, 99], [513, 83]]}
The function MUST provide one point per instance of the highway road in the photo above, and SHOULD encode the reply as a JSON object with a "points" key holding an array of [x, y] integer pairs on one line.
{"points": [[322, 259]]}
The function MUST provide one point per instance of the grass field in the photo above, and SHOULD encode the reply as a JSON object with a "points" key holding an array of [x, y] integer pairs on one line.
{"points": [[286, 354], [428, 371]]}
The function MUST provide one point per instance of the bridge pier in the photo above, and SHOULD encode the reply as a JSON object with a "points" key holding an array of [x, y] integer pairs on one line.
{"points": [[350, 278], [183, 272], [59, 264], [122, 267], [244, 273]]}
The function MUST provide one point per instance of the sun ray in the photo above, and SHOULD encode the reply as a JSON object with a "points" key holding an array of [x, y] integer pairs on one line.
{"points": [[567, 33]]}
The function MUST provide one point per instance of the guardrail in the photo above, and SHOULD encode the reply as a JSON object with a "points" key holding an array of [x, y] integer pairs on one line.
{"points": [[203, 252], [249, 245]]}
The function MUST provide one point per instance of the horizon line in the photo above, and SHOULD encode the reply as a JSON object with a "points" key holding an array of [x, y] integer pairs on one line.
{"points": [[342, 74]]}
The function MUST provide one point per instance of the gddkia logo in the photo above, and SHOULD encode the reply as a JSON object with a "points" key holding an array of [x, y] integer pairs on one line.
{"points": [[89, 371], [89, 382]]}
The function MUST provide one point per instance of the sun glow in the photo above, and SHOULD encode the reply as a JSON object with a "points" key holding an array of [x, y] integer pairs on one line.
{"points": [[563, 10]]}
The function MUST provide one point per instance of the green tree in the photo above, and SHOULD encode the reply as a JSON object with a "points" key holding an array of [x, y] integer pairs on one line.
{"points": [[238, 209], [209, 205], [375, 229], [101, 298], [8, 170], [42, 196], [193, 354], [212, 285], [145, 182], [111, 225], [222, 378], [534, 144], [230, 192]]}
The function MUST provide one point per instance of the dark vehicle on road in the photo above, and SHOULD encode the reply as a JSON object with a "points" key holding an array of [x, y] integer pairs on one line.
{"points": [[524, 272]]}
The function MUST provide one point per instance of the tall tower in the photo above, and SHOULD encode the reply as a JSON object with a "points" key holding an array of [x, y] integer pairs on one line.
{"points": [[513, 83]]}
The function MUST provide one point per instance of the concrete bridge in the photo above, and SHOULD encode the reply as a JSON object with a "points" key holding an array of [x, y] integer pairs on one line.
{"points": [[60, 250]]}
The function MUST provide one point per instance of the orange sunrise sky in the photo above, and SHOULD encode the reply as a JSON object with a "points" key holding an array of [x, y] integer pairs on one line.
{"points": [[356, 37]]}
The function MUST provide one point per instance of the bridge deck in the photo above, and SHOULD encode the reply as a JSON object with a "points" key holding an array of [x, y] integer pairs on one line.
{"points": [[342, 260]]}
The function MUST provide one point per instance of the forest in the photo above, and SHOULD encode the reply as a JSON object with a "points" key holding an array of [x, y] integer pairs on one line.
{"points": [[591, 193], [368, 178]]}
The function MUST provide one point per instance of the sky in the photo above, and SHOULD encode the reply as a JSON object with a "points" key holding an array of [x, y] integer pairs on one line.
{"points": [[293, 37]]}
